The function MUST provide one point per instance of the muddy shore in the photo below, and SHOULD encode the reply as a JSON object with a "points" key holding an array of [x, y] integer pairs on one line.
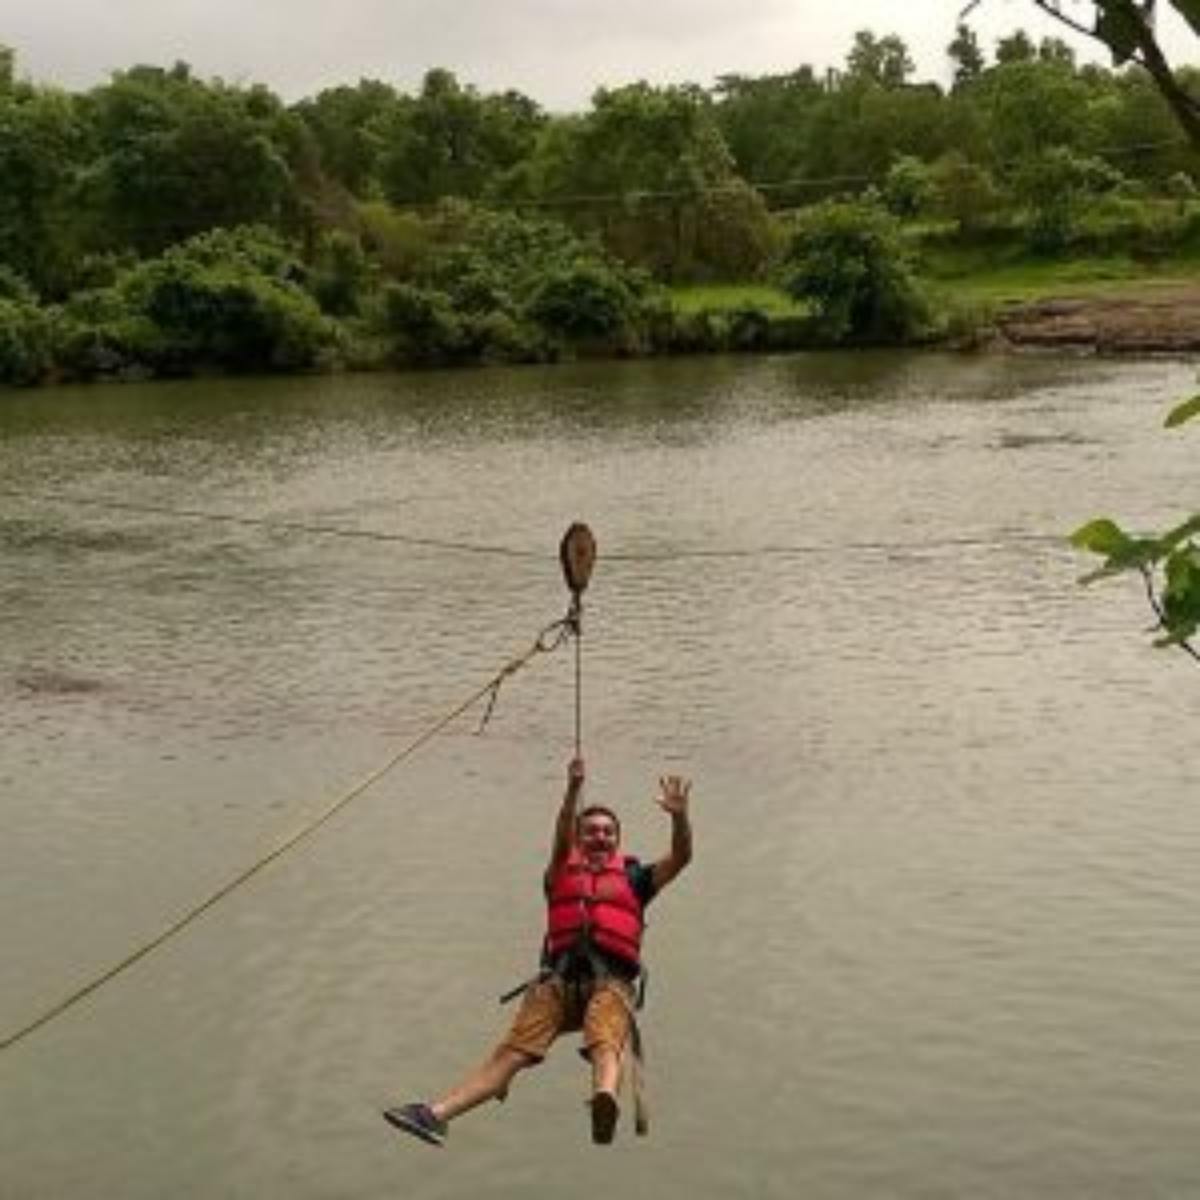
{"points": [[1164, 319]]}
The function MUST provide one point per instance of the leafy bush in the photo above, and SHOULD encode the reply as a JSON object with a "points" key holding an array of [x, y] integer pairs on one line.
{"points": [[1181, 186], [26, 343], [749, 328], [500, 338], [908, 187], [585, 299], [15, 287], [342, 274], [401, 243], [230, 298], [423, 323], [1053, 184], [964, 192], [848, 261]]}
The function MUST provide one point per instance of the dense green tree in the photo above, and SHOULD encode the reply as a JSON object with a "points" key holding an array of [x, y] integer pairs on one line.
{"points": [[1130, 31], [765, 121], [1137, 131], [178, 156], [451, 141], [966, 55], [1031, 106], [1017, 47], [43, 148], [1053, 184], [344, 122], [884, 61], [1055, 50], [642, 169]]}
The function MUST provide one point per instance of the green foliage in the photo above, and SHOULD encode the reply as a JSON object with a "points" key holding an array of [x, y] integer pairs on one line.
{"points": [[345, 124], [1031, 106], [41, 138], [1181, 186], [584, 300], [849, 262], [450, 140], [99, 190], [26, 342], [1183, 412], [341, 274], [1017, 47], [176, 156], [1171, 559], [964, 191], [424, 324], [14, 287], [666, 196], [1053, 183], [499, 337], [765, 120], [229, 299], [882, 61], [402, 243], [909, 187]]}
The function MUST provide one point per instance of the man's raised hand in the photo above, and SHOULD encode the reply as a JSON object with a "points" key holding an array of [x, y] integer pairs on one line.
{"points": [[674, 791]]}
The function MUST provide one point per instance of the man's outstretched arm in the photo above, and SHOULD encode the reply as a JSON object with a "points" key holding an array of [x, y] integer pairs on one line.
{"points": [[673, 799], [564, 824]]}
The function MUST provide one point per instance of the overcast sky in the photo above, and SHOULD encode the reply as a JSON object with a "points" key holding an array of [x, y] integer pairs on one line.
{"points": [[556, 51]]}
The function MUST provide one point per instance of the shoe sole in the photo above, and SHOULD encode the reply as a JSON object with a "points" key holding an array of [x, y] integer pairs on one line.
{"points": [[408, 1125], [604, 1118]]}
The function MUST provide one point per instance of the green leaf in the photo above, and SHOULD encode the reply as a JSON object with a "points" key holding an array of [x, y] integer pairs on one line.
{"points": [[1181, 533], [1101, 536], [1183, 412]]}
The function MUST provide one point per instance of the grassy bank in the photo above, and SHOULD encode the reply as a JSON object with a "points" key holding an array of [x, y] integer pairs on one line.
{"points": [[729, 297], [968, 281]]}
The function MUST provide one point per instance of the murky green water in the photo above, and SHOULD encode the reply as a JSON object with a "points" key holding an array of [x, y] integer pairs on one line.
{"points": [[940, 938]]}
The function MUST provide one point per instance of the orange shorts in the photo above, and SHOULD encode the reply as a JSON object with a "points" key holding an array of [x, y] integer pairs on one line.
{"points": [[551, 1007]]}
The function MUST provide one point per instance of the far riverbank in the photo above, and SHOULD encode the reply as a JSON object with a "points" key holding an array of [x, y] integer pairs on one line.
{"points": [[1082, 307]]}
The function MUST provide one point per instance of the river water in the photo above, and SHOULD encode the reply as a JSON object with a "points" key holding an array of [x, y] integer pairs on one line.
{"points": [[940, 938]]}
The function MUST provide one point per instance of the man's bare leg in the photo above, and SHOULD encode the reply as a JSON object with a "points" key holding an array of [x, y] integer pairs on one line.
{"points": [[490, 1079], [606, 1069]]}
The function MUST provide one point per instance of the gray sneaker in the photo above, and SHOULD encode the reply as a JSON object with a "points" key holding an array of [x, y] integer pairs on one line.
{"points": [[418, 1119]]}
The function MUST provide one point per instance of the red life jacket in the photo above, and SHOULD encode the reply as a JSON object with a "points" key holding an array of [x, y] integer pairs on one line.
{"points": [[599, 906]]}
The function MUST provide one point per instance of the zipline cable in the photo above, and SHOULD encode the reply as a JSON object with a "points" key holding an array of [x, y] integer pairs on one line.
{"points": [[548, 640], [627, 556], [282, 525]]}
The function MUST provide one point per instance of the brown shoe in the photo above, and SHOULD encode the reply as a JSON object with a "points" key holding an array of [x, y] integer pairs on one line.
{"points": [[604, 1117]]}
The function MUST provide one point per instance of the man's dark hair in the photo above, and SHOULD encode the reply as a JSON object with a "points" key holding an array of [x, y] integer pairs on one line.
{"points": [[598, 808]]}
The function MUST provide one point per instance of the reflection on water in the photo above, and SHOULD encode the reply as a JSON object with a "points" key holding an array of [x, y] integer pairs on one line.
{"points": [[939, 938]]}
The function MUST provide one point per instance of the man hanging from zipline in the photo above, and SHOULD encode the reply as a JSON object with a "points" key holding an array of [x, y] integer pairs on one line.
{"points": [[591, 963]]}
